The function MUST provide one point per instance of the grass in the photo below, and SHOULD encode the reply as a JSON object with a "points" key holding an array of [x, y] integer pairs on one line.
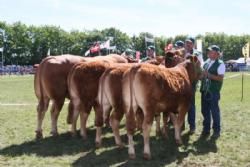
{"points": [[19, 148]]}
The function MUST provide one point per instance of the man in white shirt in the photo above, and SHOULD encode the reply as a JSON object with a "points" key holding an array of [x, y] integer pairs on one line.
{"points": [[214, 70]]}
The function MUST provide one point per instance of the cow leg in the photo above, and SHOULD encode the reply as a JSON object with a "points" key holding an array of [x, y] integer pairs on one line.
{"points": [[106, 114], [70, 112], [158, 124], [76, 106], [98, 124], [55, 111], [84, 114], [181, 117], [147, 123], [115, 122], [165, 125], [130, 126], [139, 119], [177, 127], [42, 107]]}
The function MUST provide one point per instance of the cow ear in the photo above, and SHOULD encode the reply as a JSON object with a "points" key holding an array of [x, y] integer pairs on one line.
{"points": [[180, 52], [190, 58], [177, 52]]}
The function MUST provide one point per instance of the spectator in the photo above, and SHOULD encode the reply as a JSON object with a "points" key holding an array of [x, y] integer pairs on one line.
{"points": [[190, 50], [150, 53]]}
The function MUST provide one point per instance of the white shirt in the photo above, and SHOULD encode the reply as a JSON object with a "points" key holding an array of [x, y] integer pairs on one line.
{"points": [[220, 70]]}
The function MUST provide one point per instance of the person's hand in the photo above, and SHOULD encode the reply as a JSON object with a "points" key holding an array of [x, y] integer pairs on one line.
{"points": [[205, 74]]}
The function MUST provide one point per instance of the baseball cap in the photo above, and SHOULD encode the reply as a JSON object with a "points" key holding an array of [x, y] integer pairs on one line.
{"points": [[179, 43], [190, 39], [151, 47], [214, 48]]}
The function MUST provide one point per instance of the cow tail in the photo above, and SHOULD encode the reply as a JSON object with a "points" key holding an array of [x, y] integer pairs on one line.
{"points": [[131, 81], [131, 122], [70, 106], [106, 114], [39, 90]]}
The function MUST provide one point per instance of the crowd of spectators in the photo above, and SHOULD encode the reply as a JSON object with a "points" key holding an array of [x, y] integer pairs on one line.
{"points": [[17, 70]]}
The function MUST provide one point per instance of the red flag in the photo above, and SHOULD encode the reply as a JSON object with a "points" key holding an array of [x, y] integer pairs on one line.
{"points": [[94, 49], [137, 55]]}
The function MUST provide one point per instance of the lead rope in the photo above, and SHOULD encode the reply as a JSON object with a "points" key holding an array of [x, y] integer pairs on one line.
{"points": [[207, 92]]}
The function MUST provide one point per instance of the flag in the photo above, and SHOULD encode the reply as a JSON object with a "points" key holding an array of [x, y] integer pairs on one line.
{"points": [[1, 49], [95, 49], [137, 55], [105, 44], [199, 45], [245, 50], [87, 53], [48, 53], [112, 47], [149, 40]]}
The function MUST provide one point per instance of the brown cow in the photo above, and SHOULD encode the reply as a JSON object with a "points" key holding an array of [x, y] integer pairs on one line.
{"points": [[50, 83], [83, 83], [110, 93], [155, 90]]}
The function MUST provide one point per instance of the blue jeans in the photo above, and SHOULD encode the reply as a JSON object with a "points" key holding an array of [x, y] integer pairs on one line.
{"points": [[191, 111], [210, 108]]}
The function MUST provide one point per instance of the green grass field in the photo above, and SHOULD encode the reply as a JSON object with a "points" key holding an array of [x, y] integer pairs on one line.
{"points": [[18, 146]]}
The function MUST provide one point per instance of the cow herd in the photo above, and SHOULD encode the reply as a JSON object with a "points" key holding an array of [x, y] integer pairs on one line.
{"points": [[115, 86]]}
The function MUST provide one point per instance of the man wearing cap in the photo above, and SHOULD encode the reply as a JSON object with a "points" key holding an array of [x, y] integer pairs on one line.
{"points": [[214, 70], [179, 44], [190, 50], [150, 53]]}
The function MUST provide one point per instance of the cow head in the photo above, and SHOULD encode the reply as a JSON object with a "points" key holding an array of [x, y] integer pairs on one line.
{"points": [[174, 57], [193, 67]]}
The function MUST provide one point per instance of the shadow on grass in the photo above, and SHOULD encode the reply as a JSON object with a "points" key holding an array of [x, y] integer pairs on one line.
{"points": [[63, 144], [163, 151]]}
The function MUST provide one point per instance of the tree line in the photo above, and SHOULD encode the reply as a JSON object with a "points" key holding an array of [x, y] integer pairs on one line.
{"points": [[25, 45]]}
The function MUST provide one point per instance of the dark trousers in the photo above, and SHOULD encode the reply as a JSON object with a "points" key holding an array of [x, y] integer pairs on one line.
{"points": [[210, 109], [191, 111]]}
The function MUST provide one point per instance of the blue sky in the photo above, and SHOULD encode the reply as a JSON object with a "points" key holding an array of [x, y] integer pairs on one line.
{"points": [[159, 17]]}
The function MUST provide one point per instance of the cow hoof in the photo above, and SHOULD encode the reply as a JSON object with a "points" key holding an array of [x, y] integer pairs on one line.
{"points": [[132, 156], [121, 145], [158, 133], [179, 142], [73, 134], [84, 138], [54, 134], [165, 136], [39, 135], [146, 156], [98, 144]]}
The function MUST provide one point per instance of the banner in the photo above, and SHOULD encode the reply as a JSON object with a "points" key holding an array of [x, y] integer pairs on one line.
{"points": [[245, 50], [199, 45], [48, 53], [87, 53], [149, 40], [105, 44]]}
